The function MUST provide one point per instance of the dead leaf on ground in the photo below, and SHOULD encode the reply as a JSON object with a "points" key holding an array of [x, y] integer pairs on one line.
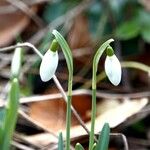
{"points": [[52, 114], [114, 115], [79, 35], [12, 25]]}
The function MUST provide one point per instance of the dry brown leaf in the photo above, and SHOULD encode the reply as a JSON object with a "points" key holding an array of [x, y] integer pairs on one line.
{"points": [[114, 116], [52, 114], [146, 4], [12, 25], [79, 35]]}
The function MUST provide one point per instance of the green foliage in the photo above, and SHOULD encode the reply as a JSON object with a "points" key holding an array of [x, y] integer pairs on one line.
{"points": [[60, 142], [79, 147], [8, 125], [138, 25], [128, 30], [94, 146], [103, 141], [2, 116]]}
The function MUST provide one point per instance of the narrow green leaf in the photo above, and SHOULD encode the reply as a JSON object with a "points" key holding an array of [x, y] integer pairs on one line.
{"points": [[16, 63], [60, 142], [10, 119], [94, 146], [68, 56], [103, 141], [79, 147]]}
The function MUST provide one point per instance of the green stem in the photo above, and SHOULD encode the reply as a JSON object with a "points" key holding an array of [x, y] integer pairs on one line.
{"points": [[136, 65], [124, 64], [68, 124], [96, 59], [68, 114], [91, 141], [11, 115], [68, 56]]}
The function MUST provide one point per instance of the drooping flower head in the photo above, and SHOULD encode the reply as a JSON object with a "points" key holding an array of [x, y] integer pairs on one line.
{"points": [[49, 62], [112, 67]]}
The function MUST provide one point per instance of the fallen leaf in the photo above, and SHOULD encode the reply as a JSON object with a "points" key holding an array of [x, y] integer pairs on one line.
{"points": [[12, 24]]}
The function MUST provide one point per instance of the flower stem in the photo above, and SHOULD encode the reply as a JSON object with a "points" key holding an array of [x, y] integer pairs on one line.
{"points": [[96, 59], [91, 142], [136, 65]]}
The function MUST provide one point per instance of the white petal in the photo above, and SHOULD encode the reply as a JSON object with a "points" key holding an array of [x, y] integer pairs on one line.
{"points": [[48, 65], [113, 69]]}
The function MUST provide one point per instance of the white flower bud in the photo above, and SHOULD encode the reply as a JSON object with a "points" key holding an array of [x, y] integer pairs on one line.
{"points": [[113, 69], [48, 65]]}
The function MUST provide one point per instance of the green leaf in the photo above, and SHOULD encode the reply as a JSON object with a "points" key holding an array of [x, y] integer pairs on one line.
{"points": [[128, 30], [94, 146], [145, 33], [10, 119], [103, 141], [60, 142], [144, 18], [79, 147], [16, 62]]}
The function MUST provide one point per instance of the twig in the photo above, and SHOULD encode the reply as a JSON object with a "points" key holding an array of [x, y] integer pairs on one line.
{"points": [[137, 141], [99, 94], [8, 9], [60, 20], [27, 11], [54, 78], [123, 138], [20, 146]]}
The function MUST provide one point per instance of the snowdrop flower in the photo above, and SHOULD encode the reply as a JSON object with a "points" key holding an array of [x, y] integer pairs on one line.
{"points": [[112, 67], [49, 62]]}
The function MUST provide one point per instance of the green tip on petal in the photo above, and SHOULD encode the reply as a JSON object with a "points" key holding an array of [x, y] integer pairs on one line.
{"points": [[54, 45], [110, 51]]}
